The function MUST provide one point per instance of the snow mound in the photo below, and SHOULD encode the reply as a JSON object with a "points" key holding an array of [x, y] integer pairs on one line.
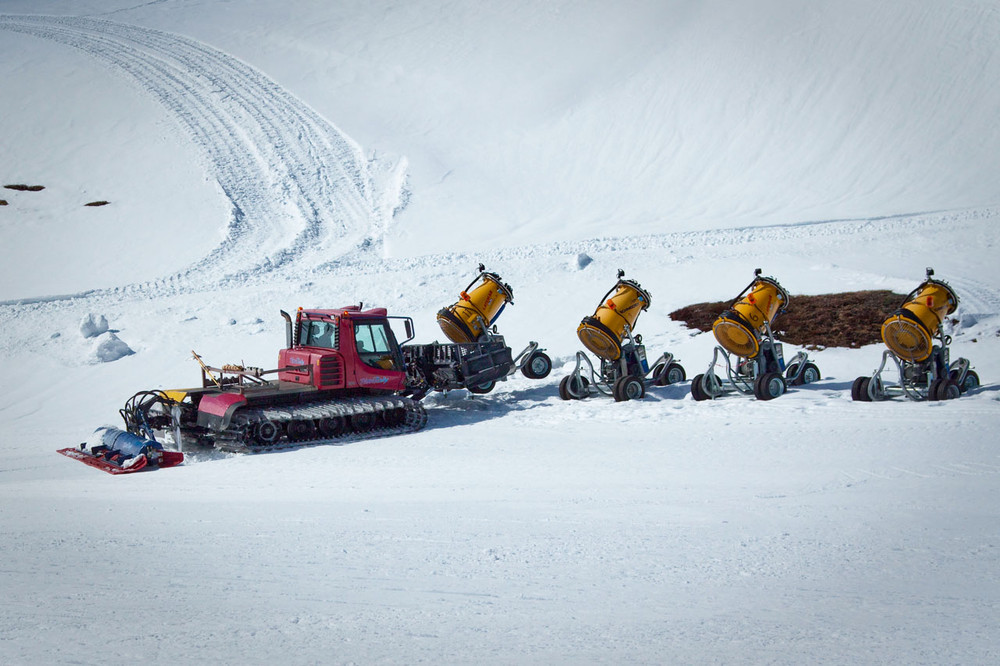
{"points": [[92, 326], [109, 347]]}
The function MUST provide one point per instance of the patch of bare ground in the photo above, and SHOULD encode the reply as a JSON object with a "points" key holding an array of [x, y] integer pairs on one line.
{"points": [[3, 202], [849, 319], [97, 203], [25, 188]]}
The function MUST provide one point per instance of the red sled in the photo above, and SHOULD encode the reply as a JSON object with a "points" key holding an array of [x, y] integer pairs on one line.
{"points": [[166, 459], [118, 452]]}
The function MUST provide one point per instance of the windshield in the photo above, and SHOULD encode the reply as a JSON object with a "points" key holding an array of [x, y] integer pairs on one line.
{"points": [[376, 345], [313, 333]]}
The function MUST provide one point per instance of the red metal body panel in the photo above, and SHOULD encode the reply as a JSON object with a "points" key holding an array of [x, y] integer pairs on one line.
{"points": [[218, 404]]}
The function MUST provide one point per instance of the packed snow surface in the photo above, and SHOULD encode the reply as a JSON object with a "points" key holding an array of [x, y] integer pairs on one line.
{"points": [[265, 155]]}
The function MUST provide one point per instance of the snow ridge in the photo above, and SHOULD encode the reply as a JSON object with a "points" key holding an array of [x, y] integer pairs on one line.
{"points": [[299, 188]]}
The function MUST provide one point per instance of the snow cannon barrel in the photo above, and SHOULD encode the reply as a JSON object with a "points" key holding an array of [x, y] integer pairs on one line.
{"points": [[477, 308], [614, 318], [909, 331], [739, 328]]}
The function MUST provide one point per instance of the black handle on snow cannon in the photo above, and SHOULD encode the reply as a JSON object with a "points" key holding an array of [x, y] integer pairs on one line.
{"points": [[496, 278], [756, 274]]}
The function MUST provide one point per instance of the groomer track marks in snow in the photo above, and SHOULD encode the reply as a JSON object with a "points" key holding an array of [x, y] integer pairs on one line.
{"points": [[299, 188]]}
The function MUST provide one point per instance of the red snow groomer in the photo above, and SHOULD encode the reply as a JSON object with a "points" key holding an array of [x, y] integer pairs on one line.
{"points": [[341, 376]]}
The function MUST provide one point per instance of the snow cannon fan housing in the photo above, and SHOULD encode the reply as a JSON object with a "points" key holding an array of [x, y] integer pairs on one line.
{"points": [[476, 310], [615, 317], [739, 328], [909, 331]]}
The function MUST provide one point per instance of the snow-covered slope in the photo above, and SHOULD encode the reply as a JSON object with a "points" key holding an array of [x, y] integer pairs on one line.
{"points": [[264, 155]]}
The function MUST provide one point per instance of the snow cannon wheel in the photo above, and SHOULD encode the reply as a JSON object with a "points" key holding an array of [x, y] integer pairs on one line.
{"points": [[810, 374], [706, 387], [482, 389], [970, 382], [769, 386], [944, 389], [671, 374], [539, 366], [629, 387], [573, 387], [859, 389]]}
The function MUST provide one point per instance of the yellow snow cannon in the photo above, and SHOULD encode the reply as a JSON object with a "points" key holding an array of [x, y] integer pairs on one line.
{"points": [[744, 331], [624, 370], [920, 350], [740, 328], [477, 356], [614, 319], [909, 331], [478, 307]]}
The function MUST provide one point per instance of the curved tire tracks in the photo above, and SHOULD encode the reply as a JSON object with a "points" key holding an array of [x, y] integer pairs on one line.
{"points": [[300, 189]]}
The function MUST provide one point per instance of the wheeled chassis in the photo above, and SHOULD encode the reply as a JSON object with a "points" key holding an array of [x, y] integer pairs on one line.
{"points": [[926, 380], [742, 377], [585, 380]]}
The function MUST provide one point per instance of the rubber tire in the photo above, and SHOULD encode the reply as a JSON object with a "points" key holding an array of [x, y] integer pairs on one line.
{"points": [[946, 389], [564, 388], [698, 391], [538, 366], [859, 389], [810, 371], [482, 389], [673, 374], [569, 391], [971, 380], [769, 386], [629, 387]]}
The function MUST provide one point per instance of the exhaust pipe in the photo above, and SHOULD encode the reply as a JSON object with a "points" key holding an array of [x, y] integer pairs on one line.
{"points": [[288, 329]]}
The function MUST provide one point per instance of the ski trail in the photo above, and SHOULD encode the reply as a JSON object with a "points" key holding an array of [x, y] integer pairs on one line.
{"points": [[299, 188]]}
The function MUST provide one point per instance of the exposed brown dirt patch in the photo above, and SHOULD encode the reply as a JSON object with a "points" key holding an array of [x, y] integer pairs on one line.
{"points": [[25, 188], [97, 203], [849, 319]]}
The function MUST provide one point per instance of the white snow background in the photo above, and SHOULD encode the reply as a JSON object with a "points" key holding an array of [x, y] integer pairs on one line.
{"points": [[260, 155]]}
